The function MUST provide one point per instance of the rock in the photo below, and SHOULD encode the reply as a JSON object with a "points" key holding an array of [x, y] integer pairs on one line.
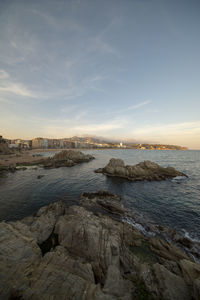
{"points": [[18, 255], [166, 250], [116, 286], [67, 158], [103, 202], [43, 223], [190, 270], [146, 170], [40, 176], [75, 156], [75, 253], [185, 242], [196, 289], [171, 286]]}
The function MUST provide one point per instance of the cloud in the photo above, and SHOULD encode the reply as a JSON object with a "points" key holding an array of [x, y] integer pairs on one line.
{"points": [[69, 127], [176, 128], [98, 44], [3, 74], [129, 108], [80, 115], [9, 86], [17, 89], [185, 133], [100, 128]]}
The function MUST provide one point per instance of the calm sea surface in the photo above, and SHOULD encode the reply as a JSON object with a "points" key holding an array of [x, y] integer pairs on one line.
{"points": [[174, 203]]}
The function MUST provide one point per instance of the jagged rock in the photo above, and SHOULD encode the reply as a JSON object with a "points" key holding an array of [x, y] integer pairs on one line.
{"points": [[196, 288], [166, 250], [103, 202], [190, 270], [75, 253], [146, 170], [171, 286], [42, 224]]}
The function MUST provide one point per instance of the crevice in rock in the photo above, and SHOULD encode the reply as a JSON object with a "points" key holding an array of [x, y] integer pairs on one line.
{"points": [[98, 276], [49, 244], [96, 280], [15, 295]]}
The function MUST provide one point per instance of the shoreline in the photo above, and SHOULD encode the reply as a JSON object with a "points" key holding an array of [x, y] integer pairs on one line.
{"points": [[26, 156]]}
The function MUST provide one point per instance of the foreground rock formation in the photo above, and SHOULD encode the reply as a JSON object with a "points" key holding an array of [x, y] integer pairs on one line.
{"points": [[88, 252], [146, 170]]}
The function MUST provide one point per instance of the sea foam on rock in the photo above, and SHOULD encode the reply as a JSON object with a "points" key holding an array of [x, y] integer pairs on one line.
{"points": [[145, 170], [87, 252]]}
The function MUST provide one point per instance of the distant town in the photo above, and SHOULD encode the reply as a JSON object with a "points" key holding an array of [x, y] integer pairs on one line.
{"points": [[80, 143]]}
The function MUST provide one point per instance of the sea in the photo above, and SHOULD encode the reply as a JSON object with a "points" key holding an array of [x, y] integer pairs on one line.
{"points": [[174, 203]]}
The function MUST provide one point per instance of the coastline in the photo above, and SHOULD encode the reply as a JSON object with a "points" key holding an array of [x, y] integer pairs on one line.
{"points": [[26, 156]]}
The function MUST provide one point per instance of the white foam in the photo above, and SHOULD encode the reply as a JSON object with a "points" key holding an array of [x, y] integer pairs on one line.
{"points": [[138, 226], [177, 178], [187, 235]]}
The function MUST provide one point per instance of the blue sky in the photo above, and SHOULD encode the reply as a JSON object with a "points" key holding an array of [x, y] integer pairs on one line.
{"points": [[127, 69]]}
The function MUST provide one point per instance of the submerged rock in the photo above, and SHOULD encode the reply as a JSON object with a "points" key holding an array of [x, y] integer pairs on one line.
{"points": [[40, 176], [78, 253], [146, 170]]}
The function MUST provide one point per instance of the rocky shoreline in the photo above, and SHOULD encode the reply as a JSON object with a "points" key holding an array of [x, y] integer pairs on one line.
{"points": [[146, 170], [92, 251], [65, 158]]}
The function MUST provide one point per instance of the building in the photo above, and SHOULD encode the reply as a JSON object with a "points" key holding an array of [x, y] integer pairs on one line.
{"points": [[37, 143]]}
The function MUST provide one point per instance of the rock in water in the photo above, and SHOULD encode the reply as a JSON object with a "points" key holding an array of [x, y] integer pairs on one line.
{"points": [[78, 253], [67, 158], [146, 170]]}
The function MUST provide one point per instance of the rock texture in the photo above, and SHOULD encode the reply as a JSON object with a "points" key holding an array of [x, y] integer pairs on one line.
{"points": [[146, 170], [84, 252], [67, 158]]}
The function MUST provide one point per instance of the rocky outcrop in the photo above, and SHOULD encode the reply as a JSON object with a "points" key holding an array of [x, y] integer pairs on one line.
{"points": [[88, 252], [67, 158], [146, 170]]}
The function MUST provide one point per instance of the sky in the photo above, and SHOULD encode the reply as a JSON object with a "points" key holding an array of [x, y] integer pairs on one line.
{"points": [[121, 69]]}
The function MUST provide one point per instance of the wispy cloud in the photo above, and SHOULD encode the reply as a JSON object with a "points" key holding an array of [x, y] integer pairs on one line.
{"points": [[69, 127], [100, 128], [185, 133], [175, 128], [3, 74], [99, 44], [80, 115], [129, 108], [9, 86]]}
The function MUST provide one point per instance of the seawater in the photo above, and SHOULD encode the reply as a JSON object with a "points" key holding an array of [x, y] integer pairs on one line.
{"points": [[173, 203]]}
